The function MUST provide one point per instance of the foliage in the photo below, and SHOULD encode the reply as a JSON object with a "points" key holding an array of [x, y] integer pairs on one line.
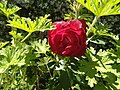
{"points": [[102, 7], [33, 9], [28, 63], [38, 8], [8, 11], [40, 24]]}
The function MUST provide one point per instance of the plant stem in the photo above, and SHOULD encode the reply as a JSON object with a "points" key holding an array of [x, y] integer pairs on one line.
{"points": [[102, 64], [89, 39], [93, 23], [77, 14], [49, 70], [77, 8], [26, 37], [37, 83]]}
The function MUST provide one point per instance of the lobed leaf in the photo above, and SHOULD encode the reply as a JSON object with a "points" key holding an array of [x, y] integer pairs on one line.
{"points": [[7, 11], [102, 7], [40, 46], [26, 24]]}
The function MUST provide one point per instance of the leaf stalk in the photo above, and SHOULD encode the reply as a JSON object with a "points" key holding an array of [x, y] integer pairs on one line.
{"points": [[26, 37]]}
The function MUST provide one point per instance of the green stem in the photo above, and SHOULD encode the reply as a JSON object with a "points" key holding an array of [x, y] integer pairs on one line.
{"points": [[93, 23], [77, 8], [89, 39], [102, 64], [77, 14], [26, 37], [38, 78], [49, 70]]}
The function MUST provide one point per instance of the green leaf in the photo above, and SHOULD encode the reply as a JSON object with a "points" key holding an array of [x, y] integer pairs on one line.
{"points": [[26, 24], [111, 78], [7, 11], [117, 67], [30, 55], [98, 41], [100, 86], [118, 85], [91, 81], [16, 35], [40, 46], [102, 7], [88, 68], [64, 80], [13, 56], [77, 87], [2, 44]]}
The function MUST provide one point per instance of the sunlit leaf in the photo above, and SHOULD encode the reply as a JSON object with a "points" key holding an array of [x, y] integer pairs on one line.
{"points": [[40, 46], [91, 81], [2, 44], [102, 7], [8, 11], [26, 24]]}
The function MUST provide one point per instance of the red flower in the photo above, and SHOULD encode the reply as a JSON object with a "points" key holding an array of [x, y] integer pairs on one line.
{"points": [[69, 38]]}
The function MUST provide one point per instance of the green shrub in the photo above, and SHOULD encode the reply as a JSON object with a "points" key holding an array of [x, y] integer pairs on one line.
{"points": [[27, 63]]}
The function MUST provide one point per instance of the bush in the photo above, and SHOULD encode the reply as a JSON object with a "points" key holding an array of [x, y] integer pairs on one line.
{"points": [[26, 59]]}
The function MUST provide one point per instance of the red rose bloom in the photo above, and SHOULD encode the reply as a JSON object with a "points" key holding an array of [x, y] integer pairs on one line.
{"points": [[69, 38]]}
